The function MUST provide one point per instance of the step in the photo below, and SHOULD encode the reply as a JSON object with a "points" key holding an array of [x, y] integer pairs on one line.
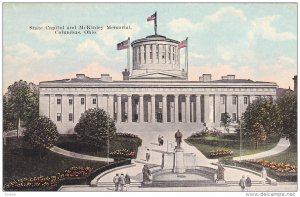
{"points": [[199, 183], [110, 184]]}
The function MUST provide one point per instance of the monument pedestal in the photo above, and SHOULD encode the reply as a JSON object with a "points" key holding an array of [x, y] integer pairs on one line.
{"points": [[179, 161]]}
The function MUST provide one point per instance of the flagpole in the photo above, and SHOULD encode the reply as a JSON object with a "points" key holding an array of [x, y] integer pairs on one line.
{"points": [[155, 24], [128, 55], [187, 60]]}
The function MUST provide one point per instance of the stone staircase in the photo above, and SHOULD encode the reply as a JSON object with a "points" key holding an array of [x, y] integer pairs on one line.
{"points": [[112, 185]]}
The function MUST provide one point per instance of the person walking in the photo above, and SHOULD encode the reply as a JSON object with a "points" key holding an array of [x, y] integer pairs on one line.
{"points": [[122, 181], [263, 175], [116, 182], [127, 181], [248, 183], [147, 155], [242, 183]]}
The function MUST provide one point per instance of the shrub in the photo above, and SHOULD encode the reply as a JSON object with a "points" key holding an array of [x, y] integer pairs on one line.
{"points": [[207, 132], [220, 153], [122, 154], [43, 183]]}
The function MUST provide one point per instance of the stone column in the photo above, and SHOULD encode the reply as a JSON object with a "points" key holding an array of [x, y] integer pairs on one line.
{"points": [[198, 108], [229, 104], [240, 106], [188, 108], [88, 100], [129, 108], [76, 104], [119, 110], [141, 114], [217, 109], [110, 100], [164, 108], [206, 109], [176, 108], [153, 108]]}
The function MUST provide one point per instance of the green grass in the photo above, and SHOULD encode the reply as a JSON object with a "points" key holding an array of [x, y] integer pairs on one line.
{"points": [[231, 142], [70, 143], [288, 156], [20, 162]]}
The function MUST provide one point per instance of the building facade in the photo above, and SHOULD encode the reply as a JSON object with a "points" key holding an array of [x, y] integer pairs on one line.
{"points": [[155, 96]]}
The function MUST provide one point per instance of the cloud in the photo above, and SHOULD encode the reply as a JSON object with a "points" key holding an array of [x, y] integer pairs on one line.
{"points": [[197, 55], [111, 37], [263, 27], [225, 53], [284, 60], [90, 46], [220, 70], [46, 35], [222, 13], [22, 54], [184, 25], [28, 74]]}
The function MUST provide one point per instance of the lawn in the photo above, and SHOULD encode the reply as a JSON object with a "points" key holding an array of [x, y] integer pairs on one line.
{"points": [[71, 143], [228, 141], [288, 156], [20, 162]]}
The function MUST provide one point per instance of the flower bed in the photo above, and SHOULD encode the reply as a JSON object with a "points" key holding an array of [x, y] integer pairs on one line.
{"points": [[220, 153], [43, 183], [122, 154], [279, 175], [207, 132], [127, 135], [276, 167]]}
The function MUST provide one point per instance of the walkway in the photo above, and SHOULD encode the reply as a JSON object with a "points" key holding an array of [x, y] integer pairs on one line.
{"points": [[77, 155], [150, 141], [282, 145]]}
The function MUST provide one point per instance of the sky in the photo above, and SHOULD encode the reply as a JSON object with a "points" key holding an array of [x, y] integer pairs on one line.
{"points": [[255, 41]]}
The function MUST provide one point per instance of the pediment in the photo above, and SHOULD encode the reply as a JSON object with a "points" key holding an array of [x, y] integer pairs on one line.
{"points": [[157, 75]]}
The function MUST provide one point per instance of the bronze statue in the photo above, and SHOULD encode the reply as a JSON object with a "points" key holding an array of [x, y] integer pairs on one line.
{"points": [[178, 136], [146, 174]]}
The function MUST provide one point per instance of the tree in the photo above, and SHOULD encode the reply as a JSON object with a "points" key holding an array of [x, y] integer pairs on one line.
{"points": [[226, 120], [257, 134], [262, 112], [41, 133], [95, 127], [286, 122], [22, 103]]}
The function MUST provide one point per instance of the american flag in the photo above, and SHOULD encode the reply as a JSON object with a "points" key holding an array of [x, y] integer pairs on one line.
{"points": [[123, 45], [182, 44], [152, 17]]}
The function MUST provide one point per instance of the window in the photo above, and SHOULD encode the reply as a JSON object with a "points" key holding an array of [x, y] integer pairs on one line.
{"points": [[58, 117], [245, 100], [58, 101], [173, 53], [94, 101], [234, 100], [222, 116], [70, 117], [82, 101], [151, 55], [70, 101], [164, 53], [233, 117], [222, 99]]}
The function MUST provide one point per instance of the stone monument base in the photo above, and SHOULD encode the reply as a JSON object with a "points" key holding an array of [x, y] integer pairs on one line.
{"points": [[179, 161]]}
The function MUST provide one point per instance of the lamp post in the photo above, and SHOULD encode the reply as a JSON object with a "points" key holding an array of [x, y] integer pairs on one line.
{"points": [[107, 119], [240, 124]]}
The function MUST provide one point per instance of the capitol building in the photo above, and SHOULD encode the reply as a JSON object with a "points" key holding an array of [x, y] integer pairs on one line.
{"points": [[155, 95]]}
